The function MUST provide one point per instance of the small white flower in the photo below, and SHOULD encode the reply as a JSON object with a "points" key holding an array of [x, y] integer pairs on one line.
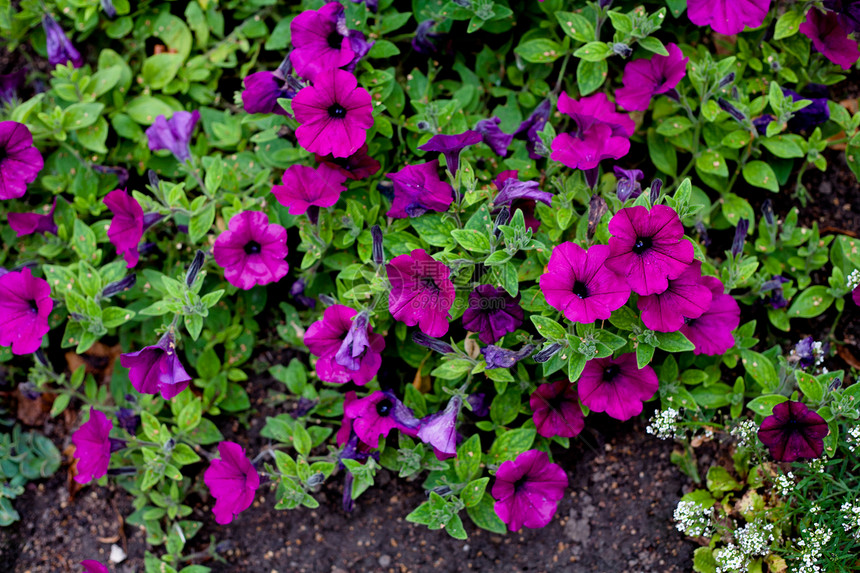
{"points": [[746, 433], [730, 559], [784, 484], [663, 425], [851, 518], [693, 519], [854, 279]]}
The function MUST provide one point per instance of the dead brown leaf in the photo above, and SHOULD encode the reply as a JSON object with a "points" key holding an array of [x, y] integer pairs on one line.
{"points": [[33, 412]]}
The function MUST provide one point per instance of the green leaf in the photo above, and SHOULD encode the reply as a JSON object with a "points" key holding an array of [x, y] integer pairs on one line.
{"points": [[652, 44], [760, 174], [590, 75], [673, 342], [94, 136], [719, 480], [190, 415], [810, 386], [452, 369], [713, 396], [788, 24], [576, 26], [539, 51], [594, 51], [474, 491], [713, 162], [484, 516], [183, 455], [301, 440], [811, 302], [160, 69], [548, 328], [383, 49], [201, 222], [144, 109], [468, 461], [81, 115], [662, 153], [760, 368], [704, 561], [472, 240], [786, 146], [511, 444]]}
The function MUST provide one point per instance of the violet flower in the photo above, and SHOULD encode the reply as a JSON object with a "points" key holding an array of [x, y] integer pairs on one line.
{"points": [[761, 122], [357, 166], [334, 113], [830, 38], [812, 115], [478, 402], [360, 48], [93, 447], [527, 490], [848, 12], [728, 16], [60, 49], [418, 189], [38, 222], [793, 432], [643, 79], [530, 127], [578, 283], [128, 224], [777, 299], [157, 369], [305, 186], [497, 357], [251, 251], [421, 292], [376, 415], [440, 429], [522, 195], [855, 295], [648, 247], [173, 134], [424, 41], [346, 345], [434, 344], [451, 145], [493, 136], [232, 481], [264, 89], [805, 351], [20, 161], [320, 40], [93, 566], [556, 411], [628, 186], [492, 313], [616, 386], [10, 84], [685, 298], [25, 305], [712, 332], [128, 420]]}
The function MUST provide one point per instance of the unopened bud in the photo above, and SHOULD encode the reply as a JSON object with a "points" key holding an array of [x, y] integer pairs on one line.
{"points": [[740, 237], [767, 211], [432, 343], [327, 300], [730, 109], [547, 353], [195, 267], [153, 179], [727, 79], [316, 479], [501, 219], [656, 187], [622, 49], [124, 283], [597, 208], [377, 252]]}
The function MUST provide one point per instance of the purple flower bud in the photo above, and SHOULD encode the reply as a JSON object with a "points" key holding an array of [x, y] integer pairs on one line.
{"points": [[740, 237], [424, 40], [597, 208], [479, 404], [498, 357], [731, 110], [10, 84], [303, 406], [432, 343], [128, 420], [547, 353], [327, 300], [125, 471], [622, 50], [109, 9], [153, 179], [835, 385], [116, 444], [463, 3], [767, 211], [424, 125], [762, 122], [727, 79], [355, 344], [316, 479], [120, 172], [501, 219], [703, 233], [117, 287], [60, 48], [656, 186], [43, 360], [605, 3], [805, 351], [195, 267], [377, 253]]}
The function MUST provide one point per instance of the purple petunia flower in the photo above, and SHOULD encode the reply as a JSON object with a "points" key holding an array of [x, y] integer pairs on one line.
{"points": [[29, 223], [712, 332], [60, 49], [320, 40], [520, 195], [376, 415], [451, 145], [440, 429], [686, 297], [305, 186], [20, 162], [251, 251], [812, 115], [334, 113], [25, 305], [578, 283], [855, 295], [492, 313], [643, 79], [93, 566], [793, 431], [527, 490], [530, 127], [806, 352], [128, 224], [628, 186], [128, 420], [157, 369], [357, 166], [10, 84], [418, 189], [262, 91], [556, 411], [424, 41], [93, 446], [421, 292], [497, 357], [830, 38], [232, 481], [848, 12], [173, 134], [360, 48], [346, 345], [493, 136], [648, 247], [727, 16], [777, 299], [616, 386]]}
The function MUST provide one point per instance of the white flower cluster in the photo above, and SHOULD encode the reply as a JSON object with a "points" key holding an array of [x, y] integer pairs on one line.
{"points": [[853, 438], [746, 433], [854, 279], [851, 518], [755, 537], [731, 559], [812, 543], [784, 484], [816, 466], [664, 425], [693, 519]]}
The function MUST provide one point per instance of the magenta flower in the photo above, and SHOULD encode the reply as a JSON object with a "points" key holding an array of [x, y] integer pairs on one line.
{"points": [[29, 223], [357, 166], [440, 429], [20, 162], [527, 490], [347, 348], [60, 49], [855, 295], [93, 566], [578, 284], [493, 136], [334, 113], [712, 332], [128, 224], [793, 432], [727, 16], [232, 481], [93, 447], [521, 195], [262, 91], [157, 369], [251, 251], [10, 84], [534, 123], [421, 292], [587, 150], [376, 415], [320, 40], [492, 313], [594, 110], [643, 79], [451, 145], [304, 186], [498, 357], [686, 297], [418, 189], [173, 134], [830, 38], [25, 305], [556, 411], [616, 386], [648, 247], [628, 183]]}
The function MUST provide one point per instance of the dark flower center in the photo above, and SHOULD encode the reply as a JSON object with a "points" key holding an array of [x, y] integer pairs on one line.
{"points": [[336, 111], [253, 248], [520, 483], [429, 283], [611, 372], [580, 289], [557, 401], [383, 407], [641, 245], [334, 39], [33, 306], [3, 154]]}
